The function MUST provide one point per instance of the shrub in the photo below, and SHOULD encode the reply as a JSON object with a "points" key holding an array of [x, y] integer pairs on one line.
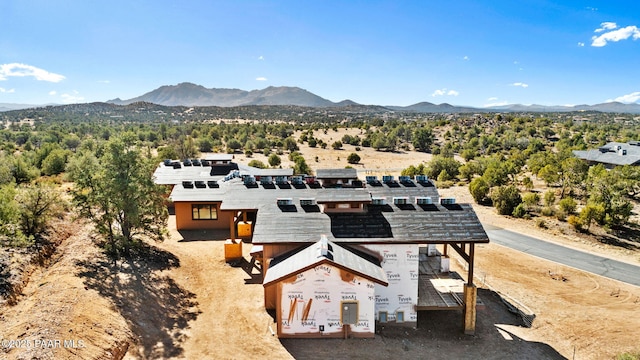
{"points": [[520, 211], [628, 356], [541, 223], [549, 198], [257, 164], [274, 160], [576, 222], [479, 189], [567, 205], [505, 199], [531, 200], [353, 158], [547, 211]]}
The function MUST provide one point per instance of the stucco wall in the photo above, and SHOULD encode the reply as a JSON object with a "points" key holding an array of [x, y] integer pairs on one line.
{"points": [[184, 220]]}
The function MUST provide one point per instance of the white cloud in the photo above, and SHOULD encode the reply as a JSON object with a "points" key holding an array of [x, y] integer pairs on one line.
{"points": [[71, 99], [104, 81], [615, 35], [492, 99], [499, 103], [581, 44], [465, 58], [606, 26], [444, 91], [592, 8], [53, 92], [3, 90], [260, 57], [634, 97], [522, 85], [16, 69], [261, 78]]}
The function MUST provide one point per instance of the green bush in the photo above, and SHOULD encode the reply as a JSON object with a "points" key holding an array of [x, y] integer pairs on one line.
{"points": [[568, 205], [520, 211], [505, 199], [628, 356], [479, 189], [547, 211], [576, 222]]}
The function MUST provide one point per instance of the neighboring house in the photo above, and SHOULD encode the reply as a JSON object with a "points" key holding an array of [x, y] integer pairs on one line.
{"points": [[382, 234], [612, 154]]}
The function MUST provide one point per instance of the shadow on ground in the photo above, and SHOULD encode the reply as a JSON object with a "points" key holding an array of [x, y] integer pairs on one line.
{"points": [[156, 308], [203, 235], [438, 336], [626, 237]]}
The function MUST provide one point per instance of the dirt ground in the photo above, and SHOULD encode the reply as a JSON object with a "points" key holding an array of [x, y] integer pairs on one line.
{"points": [[189, 304]]}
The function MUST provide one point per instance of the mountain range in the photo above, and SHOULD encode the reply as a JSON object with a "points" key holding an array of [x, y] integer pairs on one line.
{"points": [[189, 94]]}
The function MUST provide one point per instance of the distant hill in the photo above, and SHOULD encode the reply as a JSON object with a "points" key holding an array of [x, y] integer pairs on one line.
{"points": [[188, 94], [613, 107], [10, 106]]}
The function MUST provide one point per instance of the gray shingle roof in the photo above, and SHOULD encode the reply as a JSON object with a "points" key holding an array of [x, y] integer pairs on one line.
{"points": [[410, 223], [311, 256], [613, 153]]}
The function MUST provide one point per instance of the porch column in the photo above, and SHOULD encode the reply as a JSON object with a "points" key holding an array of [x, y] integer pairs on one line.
{"points": [[470, 297], [469, 309], [232, 226]]}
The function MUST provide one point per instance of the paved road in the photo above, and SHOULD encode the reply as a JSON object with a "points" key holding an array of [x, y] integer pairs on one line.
{"points": [[575, 258]]}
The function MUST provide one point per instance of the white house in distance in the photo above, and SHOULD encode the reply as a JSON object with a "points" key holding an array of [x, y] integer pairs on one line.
{"points": [[378, 264]]}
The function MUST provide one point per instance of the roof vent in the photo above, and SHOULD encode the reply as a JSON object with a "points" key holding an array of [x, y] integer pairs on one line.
{"points": [[400, 200], [324, 245], [307, 201], [448, 201], [423, 200], [379, 201], [187, 184], [284, 201]]}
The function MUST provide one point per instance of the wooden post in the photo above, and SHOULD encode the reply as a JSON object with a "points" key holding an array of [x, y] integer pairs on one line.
{"points": [[469, 309], [232, 226], [470, 272]]}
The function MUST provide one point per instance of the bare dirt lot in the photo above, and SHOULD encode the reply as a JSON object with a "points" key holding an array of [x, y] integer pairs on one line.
{"points": [[185, 302]]}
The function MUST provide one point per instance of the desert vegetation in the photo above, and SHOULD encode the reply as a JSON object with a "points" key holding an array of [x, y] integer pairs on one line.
{"points": [[94, 161]]}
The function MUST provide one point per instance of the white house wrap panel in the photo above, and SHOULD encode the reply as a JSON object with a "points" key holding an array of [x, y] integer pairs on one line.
{"points": [[398, 300], [312, 302]]}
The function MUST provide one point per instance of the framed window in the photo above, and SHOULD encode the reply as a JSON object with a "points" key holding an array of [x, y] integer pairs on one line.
{"points": [[382, 316], [355, 205], [204, 211], [399, 316]]}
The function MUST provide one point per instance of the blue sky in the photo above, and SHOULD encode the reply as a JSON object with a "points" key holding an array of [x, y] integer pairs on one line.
{"points": [[462, 52]]}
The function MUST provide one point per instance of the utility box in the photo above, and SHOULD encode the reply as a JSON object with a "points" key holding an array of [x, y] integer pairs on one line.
{"points": [[444, 264], [244, 229], [232, 250], [432, 250]]}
